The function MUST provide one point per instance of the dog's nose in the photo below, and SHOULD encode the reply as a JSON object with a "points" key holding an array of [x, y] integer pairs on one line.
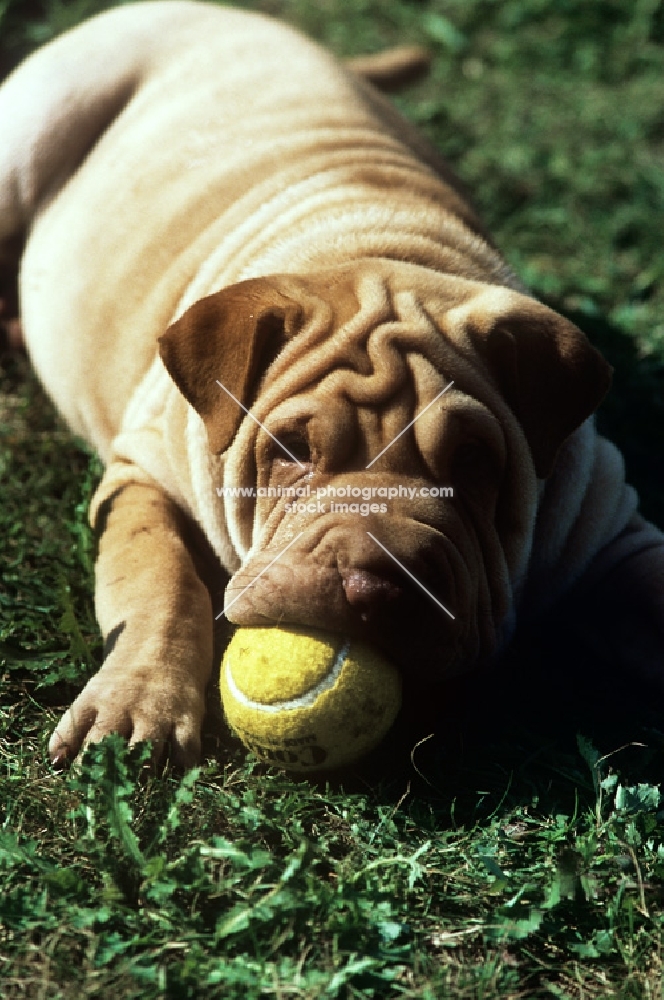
{"points": [[367, 592]]}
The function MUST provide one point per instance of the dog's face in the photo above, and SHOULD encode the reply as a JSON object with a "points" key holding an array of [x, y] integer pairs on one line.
{"points": [[383, 506]]}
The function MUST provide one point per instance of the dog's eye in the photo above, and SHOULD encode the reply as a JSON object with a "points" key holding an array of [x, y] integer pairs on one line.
{"points": [[293, 447], [475, 467]]}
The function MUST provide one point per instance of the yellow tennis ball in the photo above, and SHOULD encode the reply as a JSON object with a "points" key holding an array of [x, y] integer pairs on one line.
{"points": [[307, 700]]}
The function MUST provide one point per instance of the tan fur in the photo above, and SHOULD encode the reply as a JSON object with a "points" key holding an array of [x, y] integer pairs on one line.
{"points": [[392, 69], [210, 180]]}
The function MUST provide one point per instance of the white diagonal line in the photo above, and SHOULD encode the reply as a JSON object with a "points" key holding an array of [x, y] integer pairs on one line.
{"points": [[421, 585], [257, 421], [264, 570], [408, 425]]}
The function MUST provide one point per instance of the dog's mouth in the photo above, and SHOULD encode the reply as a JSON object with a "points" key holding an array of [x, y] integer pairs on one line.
{"points": [[425, 611]]}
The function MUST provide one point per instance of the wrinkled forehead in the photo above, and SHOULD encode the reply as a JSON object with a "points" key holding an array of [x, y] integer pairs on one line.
{"points": [[381, 338], [364, 331]]}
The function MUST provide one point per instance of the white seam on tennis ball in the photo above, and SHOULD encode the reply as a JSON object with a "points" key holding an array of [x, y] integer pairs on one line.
{"points": [[305, 700]]}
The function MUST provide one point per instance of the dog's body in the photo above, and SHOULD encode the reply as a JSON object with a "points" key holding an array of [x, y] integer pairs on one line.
{"points": [[210, 173]]}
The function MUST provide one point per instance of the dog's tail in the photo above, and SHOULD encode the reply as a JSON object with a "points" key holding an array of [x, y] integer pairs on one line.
{"points": [[394, 68]]}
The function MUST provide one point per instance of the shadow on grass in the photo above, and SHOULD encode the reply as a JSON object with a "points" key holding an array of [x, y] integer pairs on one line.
{"points": [[511, 738]]}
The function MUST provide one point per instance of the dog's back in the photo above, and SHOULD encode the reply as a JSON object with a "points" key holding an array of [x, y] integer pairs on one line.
{"points": [[178, 147]]}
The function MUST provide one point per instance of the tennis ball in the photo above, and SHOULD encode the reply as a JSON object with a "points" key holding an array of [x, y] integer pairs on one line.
{"points": [[307, 700]]}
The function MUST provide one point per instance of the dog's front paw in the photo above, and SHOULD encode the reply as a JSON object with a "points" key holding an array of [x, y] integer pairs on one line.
{"points": [[139, 704]]}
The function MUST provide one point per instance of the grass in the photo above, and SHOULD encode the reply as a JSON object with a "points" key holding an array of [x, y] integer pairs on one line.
{"points": [[512, 858], [234, 884]]}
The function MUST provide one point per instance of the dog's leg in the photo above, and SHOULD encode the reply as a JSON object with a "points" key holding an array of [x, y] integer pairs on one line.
{"points": [[156, 617], [53, 109]]}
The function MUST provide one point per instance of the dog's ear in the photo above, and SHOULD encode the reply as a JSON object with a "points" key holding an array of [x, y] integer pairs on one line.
{"points": [[219, 348], [552, 378]]}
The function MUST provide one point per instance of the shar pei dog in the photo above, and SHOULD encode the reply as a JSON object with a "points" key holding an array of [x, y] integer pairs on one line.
{"points": [[320, 395]]}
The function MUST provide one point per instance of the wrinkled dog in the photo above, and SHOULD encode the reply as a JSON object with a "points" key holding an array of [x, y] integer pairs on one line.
{"points": [[216, 216]]}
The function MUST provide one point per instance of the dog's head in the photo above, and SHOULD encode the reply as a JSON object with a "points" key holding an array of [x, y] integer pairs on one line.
{"points": [[399, 421]]}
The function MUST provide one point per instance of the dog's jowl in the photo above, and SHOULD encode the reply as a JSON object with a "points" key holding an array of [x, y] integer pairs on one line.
{"points": [[218, 217]]}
